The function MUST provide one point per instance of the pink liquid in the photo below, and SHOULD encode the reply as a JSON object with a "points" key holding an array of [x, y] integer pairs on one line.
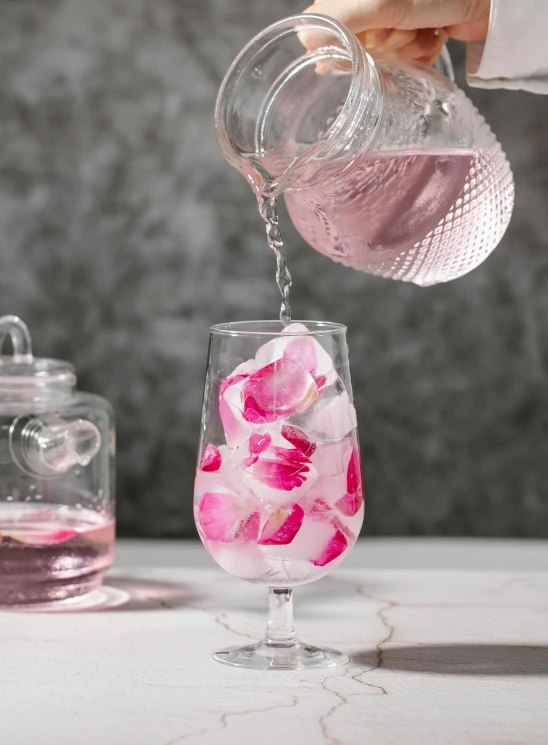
{"points": [[424, 216], [48, 552]]}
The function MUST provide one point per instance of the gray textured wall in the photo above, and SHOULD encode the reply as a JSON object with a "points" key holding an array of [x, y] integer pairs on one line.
{"points": [[123, 235]]}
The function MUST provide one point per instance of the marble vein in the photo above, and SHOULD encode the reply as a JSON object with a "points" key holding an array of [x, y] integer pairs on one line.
{"points": [[224, 717], [219, 619], [342, 700]]}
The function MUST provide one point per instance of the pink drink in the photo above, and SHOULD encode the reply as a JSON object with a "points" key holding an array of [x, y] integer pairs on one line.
{"points": [[52, 553], [423, 216], [281, 500]]}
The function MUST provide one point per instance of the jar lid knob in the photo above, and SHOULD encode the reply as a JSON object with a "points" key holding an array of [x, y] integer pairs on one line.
{"points": [[20, 338]]}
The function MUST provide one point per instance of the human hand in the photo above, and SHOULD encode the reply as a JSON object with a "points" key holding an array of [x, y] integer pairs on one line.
{"points": [[409, 29]]}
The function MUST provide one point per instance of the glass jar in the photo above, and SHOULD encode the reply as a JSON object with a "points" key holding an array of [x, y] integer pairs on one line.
{"points": [[57, 449], [385, 165]]}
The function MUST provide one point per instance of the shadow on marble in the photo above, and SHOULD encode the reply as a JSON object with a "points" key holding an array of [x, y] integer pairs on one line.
{"points": [[147, 594], [460, 659], [120, 593]]}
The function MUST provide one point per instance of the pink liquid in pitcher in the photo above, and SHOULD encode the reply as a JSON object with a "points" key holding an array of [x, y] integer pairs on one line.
{"points": [[421, 216], [52, 552]]}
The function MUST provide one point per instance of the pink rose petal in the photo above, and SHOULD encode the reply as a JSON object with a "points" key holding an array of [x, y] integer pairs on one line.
{"points": [[226, 518], [354, 473], [282, 526], [290, 455], [277, 390], [350, 504], [258, 443], [254, 414], [285, 475], [297, 437], [319, 507], [337, 544], [211, 459], [249, 528], [230, 381], [45, 539], [321, 380]]}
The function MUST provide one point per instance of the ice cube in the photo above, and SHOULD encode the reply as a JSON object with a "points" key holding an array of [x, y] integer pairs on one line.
{"points": [[329, 457], [277, 390], [225, 517], [330, 418], [276, 477], [319, 541], [237, 430], [213, 481], [328, 489], [242, 560], [245, 368], [297, 343]]}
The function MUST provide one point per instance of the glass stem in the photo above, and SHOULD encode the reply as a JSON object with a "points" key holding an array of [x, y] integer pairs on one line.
{"points": [[280, 631]]}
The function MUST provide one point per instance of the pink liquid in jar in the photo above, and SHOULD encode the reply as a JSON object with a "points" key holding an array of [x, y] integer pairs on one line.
{"points": [[50, 552]]}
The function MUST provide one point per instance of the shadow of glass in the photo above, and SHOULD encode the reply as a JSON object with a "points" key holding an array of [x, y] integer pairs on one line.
{"points": [[461, 659]]}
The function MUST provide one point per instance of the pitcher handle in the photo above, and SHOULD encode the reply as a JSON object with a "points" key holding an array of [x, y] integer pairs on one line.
{"points": [[444, 65]]}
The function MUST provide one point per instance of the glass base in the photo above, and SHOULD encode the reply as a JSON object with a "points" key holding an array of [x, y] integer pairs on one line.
{"points": [[25, 594], [298, 656]]}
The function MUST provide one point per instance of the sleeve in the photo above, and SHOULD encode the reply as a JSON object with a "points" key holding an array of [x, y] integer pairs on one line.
{"points": [[515, 54]]}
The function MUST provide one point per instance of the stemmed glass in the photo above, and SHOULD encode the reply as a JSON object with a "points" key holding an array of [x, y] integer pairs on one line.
{"points": [[278, 496]]}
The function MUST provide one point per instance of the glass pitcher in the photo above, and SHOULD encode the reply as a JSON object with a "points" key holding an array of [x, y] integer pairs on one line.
{"points": [[385, 165], [57, 450]]}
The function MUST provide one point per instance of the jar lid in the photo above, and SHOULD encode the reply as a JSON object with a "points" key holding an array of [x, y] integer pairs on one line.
{"points": [[23, 376]]}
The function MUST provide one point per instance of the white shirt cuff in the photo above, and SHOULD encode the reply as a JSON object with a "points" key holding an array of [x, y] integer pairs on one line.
{"points": [[515, 54]]}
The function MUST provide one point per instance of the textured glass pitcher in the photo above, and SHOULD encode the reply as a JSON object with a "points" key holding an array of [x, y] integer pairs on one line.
{"points": [[385, 165]]}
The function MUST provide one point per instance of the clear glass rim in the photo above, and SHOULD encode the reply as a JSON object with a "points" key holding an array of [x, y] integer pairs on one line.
{"points": [[261, 328], [347, 123]]}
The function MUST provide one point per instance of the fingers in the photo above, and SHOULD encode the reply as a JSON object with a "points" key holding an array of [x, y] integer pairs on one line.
{"points": [[429, 59], [424, 45], [359, 15], [388, 28], [362, 15], [385, 40]]}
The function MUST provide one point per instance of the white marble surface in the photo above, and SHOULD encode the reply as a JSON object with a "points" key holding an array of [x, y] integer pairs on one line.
{"points": [[439, 656]]}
